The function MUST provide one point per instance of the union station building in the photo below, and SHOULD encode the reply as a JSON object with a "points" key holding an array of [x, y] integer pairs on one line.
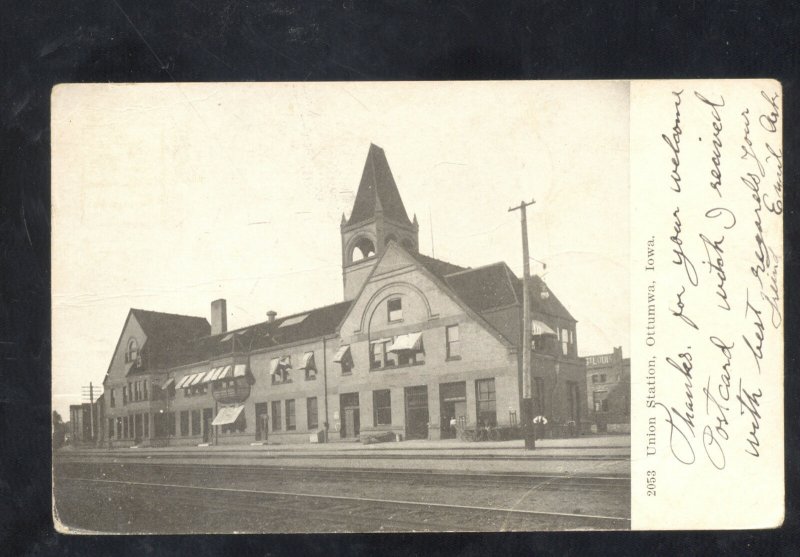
{"points": [[416, 345]]}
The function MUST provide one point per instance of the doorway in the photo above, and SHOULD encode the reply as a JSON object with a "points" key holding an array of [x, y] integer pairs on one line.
{"points": [[351, 415], [453, 404], [208, 416], [417, 412], [262, 421]]}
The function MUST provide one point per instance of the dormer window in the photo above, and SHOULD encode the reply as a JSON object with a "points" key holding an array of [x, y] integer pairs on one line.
{"points": [[279, 369], [132, 353], [395, 309]]}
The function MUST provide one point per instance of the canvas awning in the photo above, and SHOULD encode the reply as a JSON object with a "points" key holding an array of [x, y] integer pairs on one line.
{"points": [[341, 353], [184, 381], [196, 379], [227, 415], [538, 328], [308, 361], [168, 383], [411, 341]]}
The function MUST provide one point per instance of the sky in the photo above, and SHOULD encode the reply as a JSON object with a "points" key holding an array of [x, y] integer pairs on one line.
{"points": [[168, 196]]}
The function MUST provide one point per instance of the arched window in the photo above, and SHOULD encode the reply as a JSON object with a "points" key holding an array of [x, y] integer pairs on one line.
{"points": [[133, 350], [409, 244], [362, 249], [390, 238]]}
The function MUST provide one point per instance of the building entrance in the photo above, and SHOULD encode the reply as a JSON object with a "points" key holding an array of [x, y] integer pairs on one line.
{"points": [[208, 415], [351, 415], [453, 404], [262, 421], [417, 412]]}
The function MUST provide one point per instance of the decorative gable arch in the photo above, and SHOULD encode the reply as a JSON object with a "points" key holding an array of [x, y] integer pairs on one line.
{"points": [[386, 292]]}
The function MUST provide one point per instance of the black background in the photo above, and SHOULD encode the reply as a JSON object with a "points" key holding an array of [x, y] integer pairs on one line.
{"points": [[47, 42]]}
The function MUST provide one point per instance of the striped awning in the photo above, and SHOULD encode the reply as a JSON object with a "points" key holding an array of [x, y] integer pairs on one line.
{"points": [[168, 383]]}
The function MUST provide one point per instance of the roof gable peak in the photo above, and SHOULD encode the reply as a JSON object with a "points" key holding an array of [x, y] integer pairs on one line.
{"points": [[377, 191]]}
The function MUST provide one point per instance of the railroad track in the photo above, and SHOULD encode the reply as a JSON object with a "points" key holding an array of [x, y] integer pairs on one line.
{"points": [[419, 478], [276, 510], [194, 455]]}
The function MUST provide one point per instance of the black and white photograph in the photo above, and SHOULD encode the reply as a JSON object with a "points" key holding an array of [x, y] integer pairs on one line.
{"points": [[341, 307]]}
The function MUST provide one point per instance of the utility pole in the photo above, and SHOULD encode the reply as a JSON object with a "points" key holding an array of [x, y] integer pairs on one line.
{"points": [[91, 409], [526, 410]]}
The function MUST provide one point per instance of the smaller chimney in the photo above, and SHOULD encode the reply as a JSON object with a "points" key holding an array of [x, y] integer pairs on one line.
{"points": [[271, 316], [219, 316]]}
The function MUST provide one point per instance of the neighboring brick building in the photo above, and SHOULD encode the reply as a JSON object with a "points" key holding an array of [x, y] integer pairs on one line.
{"points": [[416, 342], [608, 387]]}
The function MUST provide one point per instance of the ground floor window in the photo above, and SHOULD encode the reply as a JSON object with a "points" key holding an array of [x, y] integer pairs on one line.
{"points": [[119, 428], [600, 400], [146, 419], [486, 402], [312, 415], [276, 415], [291, 421], [184, 423], [238, 426], [382, 407], [110, 428]]}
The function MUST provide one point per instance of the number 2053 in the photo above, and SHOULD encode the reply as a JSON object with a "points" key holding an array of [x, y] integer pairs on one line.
{"points": [[651, 483]]}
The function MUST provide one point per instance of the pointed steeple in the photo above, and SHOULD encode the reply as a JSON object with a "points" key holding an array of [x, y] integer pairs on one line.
{"points": [[377, 191]]}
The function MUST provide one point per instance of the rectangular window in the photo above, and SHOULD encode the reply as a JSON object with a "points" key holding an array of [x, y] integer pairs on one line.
{"points": [[124, 396], [600, 400], [119, 428], [347, 365], [276, 415], [602, 377], [565, 341], [382, 407], [146, 418], [312, 415], [380, 355], [125, 427], [196, 422], [595, 377], [111, 401], [144, 389], [453, 342], [395, 307], [291, 420], [486, 402], [184, 423], [110, 428], [539, 396], [171, 423]]}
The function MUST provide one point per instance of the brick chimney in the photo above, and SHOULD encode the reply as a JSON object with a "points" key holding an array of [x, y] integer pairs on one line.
{"points": [[219, 316], [271, 316]]}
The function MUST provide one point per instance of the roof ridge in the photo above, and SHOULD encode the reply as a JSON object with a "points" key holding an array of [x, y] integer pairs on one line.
{"points": [[168, 313], [468, 269]]}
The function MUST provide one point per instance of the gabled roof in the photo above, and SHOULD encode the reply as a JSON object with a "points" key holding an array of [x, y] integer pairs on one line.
{"points": [[378, 191], [485, 288], [167, 336], [315, 323], [437, 266], [549, 305]]}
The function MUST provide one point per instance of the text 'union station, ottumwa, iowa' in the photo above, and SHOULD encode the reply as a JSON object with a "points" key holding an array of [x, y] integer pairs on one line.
{"points": [[418, 348]]}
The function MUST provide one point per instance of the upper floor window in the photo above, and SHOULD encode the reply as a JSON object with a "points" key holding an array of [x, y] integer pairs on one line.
{"points": [[566, 341], [124, 395], [344, 358], [132, 353], [279, 369], [380, 356], [309, 366], [395, 309], [111, 401], [453, 342]]}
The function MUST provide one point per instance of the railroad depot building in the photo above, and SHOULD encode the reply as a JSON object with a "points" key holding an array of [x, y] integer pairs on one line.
{"points": [[608, 387], [416, 345]]}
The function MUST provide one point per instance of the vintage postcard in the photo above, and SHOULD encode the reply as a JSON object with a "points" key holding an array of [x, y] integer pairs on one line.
{"points": [[417, 307]]}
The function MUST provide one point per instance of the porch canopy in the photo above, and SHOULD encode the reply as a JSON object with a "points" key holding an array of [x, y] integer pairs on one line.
{"points": [[227, 415]]}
